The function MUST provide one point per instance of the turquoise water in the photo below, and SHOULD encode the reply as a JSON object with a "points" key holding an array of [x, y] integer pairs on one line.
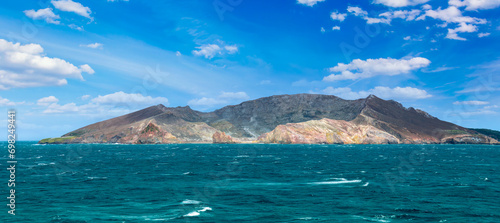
{"points": [[254, 183]]}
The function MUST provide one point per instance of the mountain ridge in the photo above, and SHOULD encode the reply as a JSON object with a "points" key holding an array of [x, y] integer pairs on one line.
{"points": [[296, 117]]}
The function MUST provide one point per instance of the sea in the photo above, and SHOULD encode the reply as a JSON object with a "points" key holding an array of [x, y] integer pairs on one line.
{"points": [[252, 183]]}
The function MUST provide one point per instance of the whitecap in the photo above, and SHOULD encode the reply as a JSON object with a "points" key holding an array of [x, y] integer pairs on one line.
{"points": [[366, 184], [336, 182], [197, 213], [187, 201], [192, 214]]}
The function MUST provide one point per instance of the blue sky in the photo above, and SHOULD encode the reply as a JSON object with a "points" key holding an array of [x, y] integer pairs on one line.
{"points": [[68, 63]]}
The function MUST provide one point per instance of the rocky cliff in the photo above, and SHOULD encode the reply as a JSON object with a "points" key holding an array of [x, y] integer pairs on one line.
{"points": [[301, 118]]}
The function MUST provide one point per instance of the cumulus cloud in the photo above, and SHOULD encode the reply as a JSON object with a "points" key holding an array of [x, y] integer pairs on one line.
{"points": [[118, 102], [309, 2], [357, 11], [338, 16], [481, 35], [475, 4], [462, 28], [400, 3], [93, 45], [24, 66], [336, 28], [222, 99], [209, 51], [470, 103], [382, 92], [47, 101], [408, 15], [43, 14], [360, 69], [453, 15], [7, 102], [71, 6]]}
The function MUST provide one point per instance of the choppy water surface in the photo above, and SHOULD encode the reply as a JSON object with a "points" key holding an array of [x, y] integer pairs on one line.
{"points": [[255, 183]]}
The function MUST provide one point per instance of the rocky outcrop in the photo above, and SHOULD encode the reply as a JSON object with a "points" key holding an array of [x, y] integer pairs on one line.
{"points": [[222, 138], [327, 131], [301, 118], [153, 134]]}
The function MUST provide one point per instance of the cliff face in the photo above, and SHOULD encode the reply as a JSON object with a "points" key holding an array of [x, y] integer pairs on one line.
{"points": [[327, 131], [302, 118]]}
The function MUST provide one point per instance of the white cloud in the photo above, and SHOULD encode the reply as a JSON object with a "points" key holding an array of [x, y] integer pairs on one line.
{"points": [[338, 16], [47, 101], [87, 69], [462, 28], [360, 69], [223, 99], [470, 103], [71, 6], [209, 51], [24, 66], [407, 38], [45, 14], [336, 28], [93, 45], [357, 11], [475, 4], [178, 53], [481, 35], [85, 97], [7, 102], [382, 92], [402, 14], [400, 3], [322, 30], [453, 15], [309, 2], [75, 27], [122, 98], [118, 102]]}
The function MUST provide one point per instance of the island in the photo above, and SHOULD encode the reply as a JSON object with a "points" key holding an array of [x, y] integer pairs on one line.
{"points": [[281, 119]]}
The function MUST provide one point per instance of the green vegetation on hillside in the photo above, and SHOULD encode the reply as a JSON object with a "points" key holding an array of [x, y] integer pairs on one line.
{"points": [[56, 140], [488, 132]]}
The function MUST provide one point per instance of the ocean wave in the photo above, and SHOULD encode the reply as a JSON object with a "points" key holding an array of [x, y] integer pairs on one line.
{"points": [[336, 182], [198, 212], [187, 201]]}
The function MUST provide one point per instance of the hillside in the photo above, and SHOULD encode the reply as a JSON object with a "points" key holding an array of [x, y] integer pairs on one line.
{"points": [[300, 118]]}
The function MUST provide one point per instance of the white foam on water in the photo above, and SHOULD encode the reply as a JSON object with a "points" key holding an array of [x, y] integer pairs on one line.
{"points": [[192, 214], [197, 213], [205, 209], [187, 201], [241, 156], [366, 184], [336, 182]]}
